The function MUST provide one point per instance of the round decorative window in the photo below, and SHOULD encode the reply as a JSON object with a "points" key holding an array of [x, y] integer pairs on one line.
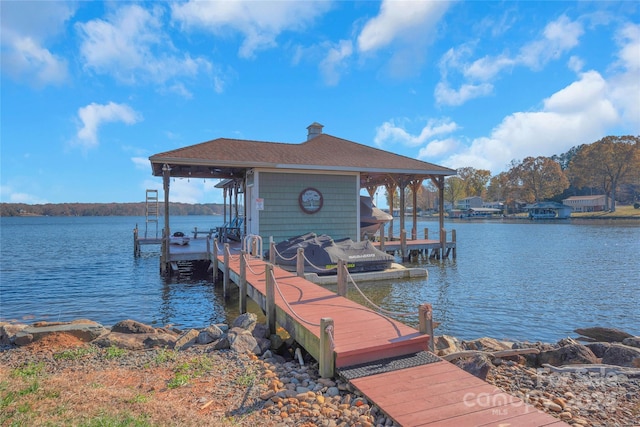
{"points": [[310, 200]]}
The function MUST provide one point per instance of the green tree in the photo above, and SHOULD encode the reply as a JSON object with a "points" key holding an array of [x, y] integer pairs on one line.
{"points": [[474, 180], [453, 189], [607, 164], [537, 178]]}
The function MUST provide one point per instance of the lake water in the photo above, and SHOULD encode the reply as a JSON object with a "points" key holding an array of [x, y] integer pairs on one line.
{"points": [[521, 281]]}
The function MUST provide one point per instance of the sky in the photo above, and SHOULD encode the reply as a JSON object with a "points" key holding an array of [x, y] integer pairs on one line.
{"points": [[90, 90]]}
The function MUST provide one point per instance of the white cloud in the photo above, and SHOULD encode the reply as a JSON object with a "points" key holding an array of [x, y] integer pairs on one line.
{"points": [[579, 113], [141, 163], [94, 115], [437, 148], [25, 29], [131, 46], [400, 19], [558, 37], [445, 95], [625, 85], [260, 22], [390, 132], [405, 28], [9, 194], [333, 63]]}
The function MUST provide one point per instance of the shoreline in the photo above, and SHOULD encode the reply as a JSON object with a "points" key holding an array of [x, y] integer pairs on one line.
{"points": [[282, 391]]}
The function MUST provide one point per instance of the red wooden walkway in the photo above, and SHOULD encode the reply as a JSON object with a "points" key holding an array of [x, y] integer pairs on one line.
{"points": [[435, 394]]}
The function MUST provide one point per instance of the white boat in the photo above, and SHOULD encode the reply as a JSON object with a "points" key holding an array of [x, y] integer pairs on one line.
{"points": [[178, 238]]}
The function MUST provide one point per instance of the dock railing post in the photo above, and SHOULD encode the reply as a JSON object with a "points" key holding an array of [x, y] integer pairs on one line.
{"points": [[215, 259], [327, 361], [426, 233], [272, 252], [453, 240], [243, 283], [271, 299], [300, 262], [426, 323], [382, 238], [403, 244], [225, 279], [342, 278]]}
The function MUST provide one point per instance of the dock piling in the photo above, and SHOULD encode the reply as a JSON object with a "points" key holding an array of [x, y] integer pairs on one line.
{"points": [[243, 283], [426, 323], [300, 262], [271, 298], [327, 360], [342, 278], [225, 279]]}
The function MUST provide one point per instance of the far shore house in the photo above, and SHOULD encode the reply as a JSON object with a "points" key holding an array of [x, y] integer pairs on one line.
{"points": [[292, 189], [586, 203]]}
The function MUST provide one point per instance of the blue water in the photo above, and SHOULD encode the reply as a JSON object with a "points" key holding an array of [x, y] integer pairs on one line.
{"points": [[523, 281]]}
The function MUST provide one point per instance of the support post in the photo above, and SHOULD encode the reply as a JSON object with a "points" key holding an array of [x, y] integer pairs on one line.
{"points": [[243, 283], [443, 241], [455, 245], [426, 233], [272, 252], [327, 360], [426, 323], [136, 242], [300, 262], [342, 278], [271, 299], [403, 245], [382, 238], [226, 278], [215, 260]]}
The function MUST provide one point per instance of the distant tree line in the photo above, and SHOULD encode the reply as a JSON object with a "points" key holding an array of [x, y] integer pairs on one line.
{"points": [[610, 166], [106, 209]]}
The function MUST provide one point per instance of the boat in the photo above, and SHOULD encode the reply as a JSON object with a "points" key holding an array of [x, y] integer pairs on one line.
{"points": [[548, 210], [322, 254], [371, 217], [178, 238]]}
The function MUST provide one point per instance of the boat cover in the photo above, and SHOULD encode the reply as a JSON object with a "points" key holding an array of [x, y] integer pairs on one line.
{"points": [[322, 254]]}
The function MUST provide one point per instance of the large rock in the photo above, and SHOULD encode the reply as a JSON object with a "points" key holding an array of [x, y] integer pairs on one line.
{"points": [[245, 321], [8, 333], [571, 354], [622, 355], [87, 331], [478, 365], [598, 348], [187, 339], [446, 344], [132, 327], [209, 334], [599, 333], [242, 341], [486, 344], [122, 340], [632, 342]]}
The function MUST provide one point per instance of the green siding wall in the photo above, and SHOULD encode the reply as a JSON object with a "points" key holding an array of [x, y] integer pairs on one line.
{"points": [[282, 217]]}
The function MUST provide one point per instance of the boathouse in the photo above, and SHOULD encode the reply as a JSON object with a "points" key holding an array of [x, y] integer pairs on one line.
{"points": [[288, 189]]}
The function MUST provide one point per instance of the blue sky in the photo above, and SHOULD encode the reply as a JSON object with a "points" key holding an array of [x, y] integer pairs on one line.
{"points": [[90, 90]]}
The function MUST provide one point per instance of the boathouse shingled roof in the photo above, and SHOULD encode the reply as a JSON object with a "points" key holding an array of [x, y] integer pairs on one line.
{"points": [[225, 158]]}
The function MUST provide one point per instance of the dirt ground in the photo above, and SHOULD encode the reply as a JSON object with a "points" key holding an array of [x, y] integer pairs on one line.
{"points": [[62, 381]]}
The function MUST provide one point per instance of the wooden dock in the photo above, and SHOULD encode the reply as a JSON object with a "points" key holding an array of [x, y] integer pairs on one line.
{"points": [[359, 339]]}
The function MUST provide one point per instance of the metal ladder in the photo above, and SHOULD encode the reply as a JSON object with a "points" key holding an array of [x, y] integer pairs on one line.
{"points": [[152, 210]]}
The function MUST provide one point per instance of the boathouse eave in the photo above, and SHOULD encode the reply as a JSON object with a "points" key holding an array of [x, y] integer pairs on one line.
{"points": [[200, 168]]}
